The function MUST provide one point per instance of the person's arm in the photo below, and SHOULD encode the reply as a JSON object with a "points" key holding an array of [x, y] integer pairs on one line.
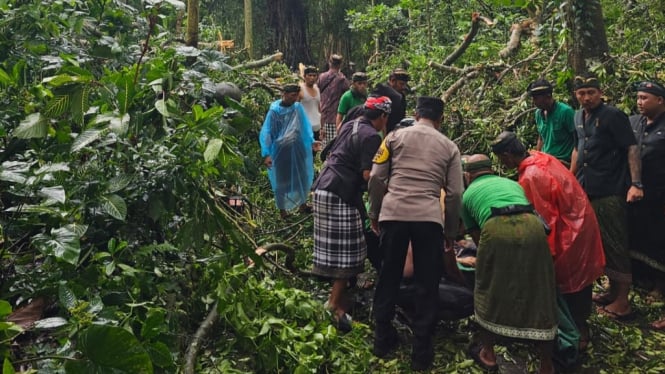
{"points": [[539, 144], [635, 165], [338, 121], [377, 183], [453, 201], [573, 161]]}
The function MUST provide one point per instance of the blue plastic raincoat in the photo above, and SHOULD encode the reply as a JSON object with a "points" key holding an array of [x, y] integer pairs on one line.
{"points": [[286, 136]]}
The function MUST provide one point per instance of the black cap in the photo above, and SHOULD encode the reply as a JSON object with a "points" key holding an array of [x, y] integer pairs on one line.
{"points": [[359, 77], [540, 87], [501, 143], [290, 87], [430, 102], [650, 87], [400, 75], [586, 81], [311, 69]]}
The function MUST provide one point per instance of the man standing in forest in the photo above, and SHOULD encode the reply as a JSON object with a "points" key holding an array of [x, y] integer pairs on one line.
{"points": [[356, 95], [286, 145], [310, 98], [647, 217], [410, 169], [607, 164], [332, 85], [555, 122], [396, 90], [574, 239]]}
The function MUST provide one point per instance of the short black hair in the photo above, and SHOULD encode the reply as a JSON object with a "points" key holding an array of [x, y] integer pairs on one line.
{"points": [[372, 114]]}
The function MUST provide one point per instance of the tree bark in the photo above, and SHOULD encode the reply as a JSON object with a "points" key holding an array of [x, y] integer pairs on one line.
{"points": [[192, 37], [249, 30], [288, 22], [588, 40]]}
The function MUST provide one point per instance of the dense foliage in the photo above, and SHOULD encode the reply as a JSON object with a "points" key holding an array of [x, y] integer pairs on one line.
{"points": [[117, 167]]}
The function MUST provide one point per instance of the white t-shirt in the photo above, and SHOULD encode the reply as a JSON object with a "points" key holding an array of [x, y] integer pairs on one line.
{"points": [[311, 106]]}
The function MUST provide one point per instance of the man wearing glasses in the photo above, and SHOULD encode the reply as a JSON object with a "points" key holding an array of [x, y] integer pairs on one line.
{"points": [[647, 217], [607, 164]]}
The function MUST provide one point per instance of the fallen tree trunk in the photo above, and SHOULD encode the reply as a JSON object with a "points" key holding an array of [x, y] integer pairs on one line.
{"points": [[258, 63]]}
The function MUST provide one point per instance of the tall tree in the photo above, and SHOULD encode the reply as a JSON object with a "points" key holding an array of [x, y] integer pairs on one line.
{"points": [[192, 37], [249, 32], [288, 22], [588, 40]]}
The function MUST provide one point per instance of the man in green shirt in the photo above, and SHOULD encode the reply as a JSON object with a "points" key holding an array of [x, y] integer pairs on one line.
{"points": [[356, 95], [514, 293], [555, 122]]}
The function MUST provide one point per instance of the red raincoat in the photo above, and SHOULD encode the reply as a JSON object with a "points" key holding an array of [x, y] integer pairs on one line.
{"points": [[575, 238]]}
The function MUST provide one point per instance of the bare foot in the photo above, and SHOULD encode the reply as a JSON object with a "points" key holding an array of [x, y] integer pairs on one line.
{"points": [[658, 325]]}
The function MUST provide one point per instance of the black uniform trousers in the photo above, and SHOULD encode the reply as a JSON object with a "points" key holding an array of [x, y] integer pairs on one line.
{"points": [[427, 243]]}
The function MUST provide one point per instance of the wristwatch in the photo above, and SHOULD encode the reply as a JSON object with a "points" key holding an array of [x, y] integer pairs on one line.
{"points": [[638, 185]]}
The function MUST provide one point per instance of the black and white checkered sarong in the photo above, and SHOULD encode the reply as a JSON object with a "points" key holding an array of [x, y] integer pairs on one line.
{"points": [[339, 243]]}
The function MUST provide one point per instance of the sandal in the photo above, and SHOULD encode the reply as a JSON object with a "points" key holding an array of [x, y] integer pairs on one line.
{"points": [[627, 317], [343, 323], [474, 352], [603, 298]]}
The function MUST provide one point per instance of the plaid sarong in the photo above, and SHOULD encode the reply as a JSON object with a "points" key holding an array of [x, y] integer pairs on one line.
{"points": [[331, 133], [339, 242]]}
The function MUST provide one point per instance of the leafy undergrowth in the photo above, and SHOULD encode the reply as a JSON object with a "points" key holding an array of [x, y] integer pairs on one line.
{"points": [[300, 331]]}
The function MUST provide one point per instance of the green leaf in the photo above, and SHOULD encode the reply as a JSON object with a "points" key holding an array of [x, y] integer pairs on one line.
{"points": [[153, 323], [56, 193], [7, 367], [5, 79], [110, 349], [57, 106], [50, 323], [62, 79], [212, 150], [87, 137], [114, 206], [79, 104], [160, 105], [160, 354], [118, 183], [5, 308], [33, 126], [66, 296], [63, 243]]}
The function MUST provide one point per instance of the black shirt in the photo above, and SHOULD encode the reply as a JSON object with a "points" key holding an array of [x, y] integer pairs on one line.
{"points": [[342, 174], [603, 137], [651, 140]]}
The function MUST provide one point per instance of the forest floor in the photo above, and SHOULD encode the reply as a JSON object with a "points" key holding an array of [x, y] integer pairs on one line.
{"points": [[614, 348]]}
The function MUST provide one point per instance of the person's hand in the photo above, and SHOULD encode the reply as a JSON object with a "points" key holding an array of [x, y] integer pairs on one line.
{"points": [[267, 161], [317, 146], [374, 223], [467, 261], [634, 194]]}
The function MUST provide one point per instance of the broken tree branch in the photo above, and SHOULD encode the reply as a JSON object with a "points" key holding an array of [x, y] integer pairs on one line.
{"points": [[457, 85], [201, 332], [475, 17], [258, 63]]}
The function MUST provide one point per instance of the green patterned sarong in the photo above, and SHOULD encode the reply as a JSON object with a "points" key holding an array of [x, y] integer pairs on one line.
{"points": [[612, 221], [515, 290]]}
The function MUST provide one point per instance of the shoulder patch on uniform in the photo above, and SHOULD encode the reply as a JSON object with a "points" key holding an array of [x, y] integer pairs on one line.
{"points": [[382, 154]]}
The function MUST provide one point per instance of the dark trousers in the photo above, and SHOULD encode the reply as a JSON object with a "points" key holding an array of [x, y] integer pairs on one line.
{"points": [[579, 305], [427, 243]]}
